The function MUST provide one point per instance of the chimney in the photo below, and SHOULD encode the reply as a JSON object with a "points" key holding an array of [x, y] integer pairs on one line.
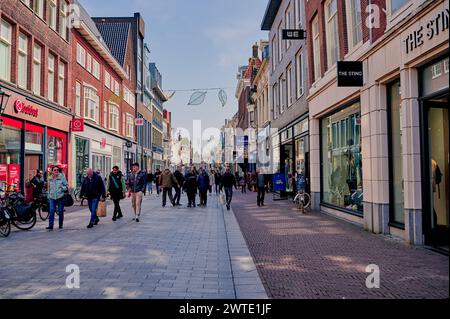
{"points": [[255, 50]]}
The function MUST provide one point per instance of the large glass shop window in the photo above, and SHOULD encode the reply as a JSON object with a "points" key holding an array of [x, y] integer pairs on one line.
{"points": [[341, 159], [10, 138]]}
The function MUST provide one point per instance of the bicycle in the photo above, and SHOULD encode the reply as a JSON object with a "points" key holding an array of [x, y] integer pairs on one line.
{"points": [[40, 204], [5, 222], [21, 215], [76, 195], [303, 201]]}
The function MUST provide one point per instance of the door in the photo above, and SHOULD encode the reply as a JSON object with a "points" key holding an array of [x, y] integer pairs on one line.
{"points": [[32, 164], [438, 185]]}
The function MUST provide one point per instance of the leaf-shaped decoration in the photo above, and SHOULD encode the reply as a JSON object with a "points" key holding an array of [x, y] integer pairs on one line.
{"points": [[223, 97], [197, 98]]}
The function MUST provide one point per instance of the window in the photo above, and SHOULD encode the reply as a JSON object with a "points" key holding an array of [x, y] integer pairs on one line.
{"points": [[116, 88], [397, 195], [52, 14], [331, 32], [316, 48], [342, 184], [51, 78], [354, 22], [280, 42], [274, 52], [107, 80], [78, 99], [96, 69], [299, 80], [397, 4], [128, 96], [26, 2], [298, 13], [287, 21], [22, 62], [91, 104], [289, 85], [105, 114], [89, 63], [63, 20], [446, 65], [37, 56], [5, 50], [436, 70], [276, 103], [113, 117], [39, 8], [128, 71], [280, 93], [61, 83], [81, 55], [130, 126]]}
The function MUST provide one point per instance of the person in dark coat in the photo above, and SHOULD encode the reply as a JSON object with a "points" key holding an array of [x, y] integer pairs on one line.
{"points": [[180, 179], [93, 188], [218, 183], [150, 180], [38, 184], [203, 187], [157, 175], [228, 182], [116, 189], [191, 186]]}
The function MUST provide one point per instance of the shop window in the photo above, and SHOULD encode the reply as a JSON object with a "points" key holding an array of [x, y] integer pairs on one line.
{"points": [[435, 77], [55, 151], [82, 159], [33, 141], [10, 139], [341, 159]]}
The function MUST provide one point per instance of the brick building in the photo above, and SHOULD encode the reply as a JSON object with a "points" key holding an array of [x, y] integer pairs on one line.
{"points": [[101, 97], [379, 153], [34, 71]]}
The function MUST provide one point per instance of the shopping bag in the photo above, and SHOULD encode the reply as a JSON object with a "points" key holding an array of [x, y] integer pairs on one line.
{"points": [[101, 209]]}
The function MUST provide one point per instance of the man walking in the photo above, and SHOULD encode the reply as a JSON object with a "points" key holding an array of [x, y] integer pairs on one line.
{"points": [[157, 184], [203, 187], [38, 184], [191, 188], [167, 182], [150, 179], [136, 187], [178, 188], [116, 189], [93, 189], [218, 182], [261, 186], [228, 181]]}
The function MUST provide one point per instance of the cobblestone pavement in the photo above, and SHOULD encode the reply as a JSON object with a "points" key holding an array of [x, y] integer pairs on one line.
{"points": [[172, 253], [318, 256]]}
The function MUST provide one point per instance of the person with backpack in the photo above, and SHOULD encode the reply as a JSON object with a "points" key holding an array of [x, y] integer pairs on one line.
{"points": [[116, 189]]}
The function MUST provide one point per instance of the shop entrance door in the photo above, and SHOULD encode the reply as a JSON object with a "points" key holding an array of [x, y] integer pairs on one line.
{"points": [[436, 219], [33, 163]]}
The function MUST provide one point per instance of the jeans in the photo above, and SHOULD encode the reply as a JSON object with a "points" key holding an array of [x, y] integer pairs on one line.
{"points": [[177, 197], [150, 187], [52, 209], [261, 195], [167, 190], [136, 202], [228, 195], [157, 188], [93, 205]]}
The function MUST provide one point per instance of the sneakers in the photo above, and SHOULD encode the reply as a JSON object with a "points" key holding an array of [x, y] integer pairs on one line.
{"points": [[137, 220], [90, 226], [97, 220], [49, 228], [114, 219]]}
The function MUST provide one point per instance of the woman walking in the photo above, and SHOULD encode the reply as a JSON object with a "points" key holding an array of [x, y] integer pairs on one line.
{"points": [[116, 189], [212, 181], [57, 186]]}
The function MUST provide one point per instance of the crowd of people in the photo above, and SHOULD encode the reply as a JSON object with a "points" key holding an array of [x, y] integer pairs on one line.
{"points": [[138, 183]]}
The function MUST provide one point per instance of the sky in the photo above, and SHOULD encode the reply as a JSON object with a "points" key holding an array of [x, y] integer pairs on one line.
{"points": [[195, 44]]}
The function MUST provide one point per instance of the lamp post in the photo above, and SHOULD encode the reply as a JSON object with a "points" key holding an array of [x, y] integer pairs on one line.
{"points": [[4, 99], [254, 123]]}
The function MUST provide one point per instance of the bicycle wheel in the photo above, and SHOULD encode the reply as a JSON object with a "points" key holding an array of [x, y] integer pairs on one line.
{"points": [[297, 202], [5, 225], [43, 215], [306, 200], [25, 225]]}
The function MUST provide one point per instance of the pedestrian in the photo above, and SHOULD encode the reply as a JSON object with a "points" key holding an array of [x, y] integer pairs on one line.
{"points": [[203, 187], [243, 184], [191, 188], [218, 182], [93, 189], [57, 186], [116, 189], [212, 181], [137, 183], [38, 184], [179, 187], [261, 186], [228, 181], [167, 181], [157, 175], [150, 179]]}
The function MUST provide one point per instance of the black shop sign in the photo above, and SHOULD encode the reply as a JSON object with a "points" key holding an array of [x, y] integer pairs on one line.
{"points": [[294, 34], [350, 73]]}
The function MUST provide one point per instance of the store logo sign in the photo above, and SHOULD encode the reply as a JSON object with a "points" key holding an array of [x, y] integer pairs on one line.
{"points": [[350, 74], [20, 107], [78, 125]]}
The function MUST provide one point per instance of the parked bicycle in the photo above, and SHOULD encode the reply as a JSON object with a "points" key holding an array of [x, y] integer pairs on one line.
{"points": [[76, 195], [41, 205], [302, 201], [5, 222], [21, 215]]}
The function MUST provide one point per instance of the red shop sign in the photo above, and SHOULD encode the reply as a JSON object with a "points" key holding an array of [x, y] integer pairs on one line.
{"points": [[78, 125], [20, 107], [103, 143]]}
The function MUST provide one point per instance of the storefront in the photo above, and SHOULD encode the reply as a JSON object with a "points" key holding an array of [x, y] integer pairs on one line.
{"points": [[34, 137], [96, 149], [158, 162], [380, 153]]}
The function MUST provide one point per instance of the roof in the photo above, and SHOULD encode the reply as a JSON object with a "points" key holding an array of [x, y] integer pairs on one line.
{"points": [[270, 14], [115, 35]]}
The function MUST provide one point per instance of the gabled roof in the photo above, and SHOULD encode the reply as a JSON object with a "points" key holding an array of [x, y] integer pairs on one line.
{"points": [[270, 14], [115, 35]]}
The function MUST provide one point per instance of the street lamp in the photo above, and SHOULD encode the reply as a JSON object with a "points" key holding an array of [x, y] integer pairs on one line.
{"points": [[4, 99], [254, 123]]}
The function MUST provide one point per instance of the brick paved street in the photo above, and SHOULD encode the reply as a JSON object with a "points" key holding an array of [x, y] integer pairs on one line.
{"points": [[172, 253], [318, 256]]}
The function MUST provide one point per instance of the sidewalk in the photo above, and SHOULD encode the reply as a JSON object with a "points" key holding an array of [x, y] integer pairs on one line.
{"points": [[318, 256]]}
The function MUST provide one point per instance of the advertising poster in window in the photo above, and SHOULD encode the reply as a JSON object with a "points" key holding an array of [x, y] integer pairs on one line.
{"points": [[3, 176], [14, 176]]}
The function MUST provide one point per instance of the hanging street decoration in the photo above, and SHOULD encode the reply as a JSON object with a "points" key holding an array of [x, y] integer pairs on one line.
{"points": [[223, 97], [199, 95]]}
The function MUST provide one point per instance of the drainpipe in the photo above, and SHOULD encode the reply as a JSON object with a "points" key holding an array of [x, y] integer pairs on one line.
{"points": [[370, 23]]}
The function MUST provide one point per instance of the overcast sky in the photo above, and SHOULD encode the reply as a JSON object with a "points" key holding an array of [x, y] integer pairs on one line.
{"points": [[195, 44]]}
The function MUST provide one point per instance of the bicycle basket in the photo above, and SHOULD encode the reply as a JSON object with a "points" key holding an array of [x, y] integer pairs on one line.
{"points": [[24, 212]]}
